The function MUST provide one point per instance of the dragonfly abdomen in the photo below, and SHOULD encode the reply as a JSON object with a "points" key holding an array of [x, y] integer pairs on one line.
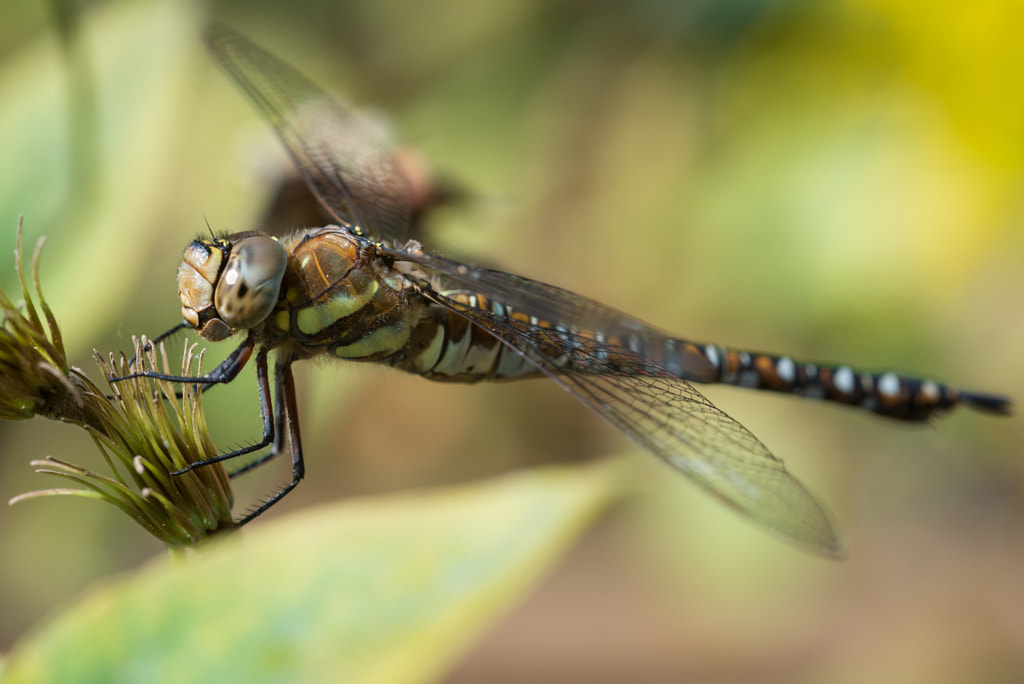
{"points": [[446, 347], [886, 393]]}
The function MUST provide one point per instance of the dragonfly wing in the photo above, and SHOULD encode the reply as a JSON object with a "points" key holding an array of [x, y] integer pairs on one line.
{"points": [[677, 423], [655, 408], [344, 156], [544, 302]]}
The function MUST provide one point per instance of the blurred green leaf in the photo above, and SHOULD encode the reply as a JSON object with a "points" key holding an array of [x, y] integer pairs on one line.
{"points": [[141, 57], [377, 590]]}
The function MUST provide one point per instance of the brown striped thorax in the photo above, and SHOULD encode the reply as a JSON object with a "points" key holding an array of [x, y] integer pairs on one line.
{"points": [[339, 298], [365, 290]]}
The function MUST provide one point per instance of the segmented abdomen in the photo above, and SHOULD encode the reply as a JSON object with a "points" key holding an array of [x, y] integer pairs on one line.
{"points": [[446, 346], [886, 393]]}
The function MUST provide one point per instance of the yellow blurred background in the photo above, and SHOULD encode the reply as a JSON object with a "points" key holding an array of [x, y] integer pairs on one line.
{"points": [[836, 180]]}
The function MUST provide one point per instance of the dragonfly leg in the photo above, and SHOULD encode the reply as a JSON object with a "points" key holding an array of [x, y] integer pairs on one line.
{"points": [[288, 421], [277, 430], [267, 411], [157, 340], [226, 371]]}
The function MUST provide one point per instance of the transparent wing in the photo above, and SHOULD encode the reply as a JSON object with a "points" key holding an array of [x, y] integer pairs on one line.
{"points": [[644, 400], [344, 156], [547, 303]]}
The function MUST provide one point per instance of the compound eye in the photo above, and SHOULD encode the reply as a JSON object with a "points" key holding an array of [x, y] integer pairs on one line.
{"points": [[251, 281]]}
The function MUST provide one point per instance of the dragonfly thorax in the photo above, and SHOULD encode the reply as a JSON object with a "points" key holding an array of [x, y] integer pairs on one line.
{"points": [[230, 284]]}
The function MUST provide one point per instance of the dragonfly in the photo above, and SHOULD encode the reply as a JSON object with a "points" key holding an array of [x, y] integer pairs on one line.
{"points": [[365, 289]]}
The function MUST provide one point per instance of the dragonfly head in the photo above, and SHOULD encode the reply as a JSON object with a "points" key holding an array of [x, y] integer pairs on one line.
{"points": [[230, 284]]}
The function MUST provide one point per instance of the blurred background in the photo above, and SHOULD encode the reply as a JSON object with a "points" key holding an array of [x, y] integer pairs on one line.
{"points": [[837, 180]]}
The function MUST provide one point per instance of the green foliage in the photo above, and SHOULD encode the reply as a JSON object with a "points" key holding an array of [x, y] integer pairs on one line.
{"points": [[390, 590]]}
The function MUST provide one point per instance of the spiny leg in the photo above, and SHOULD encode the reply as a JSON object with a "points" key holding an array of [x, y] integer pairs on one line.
{"points": [[226, 371], [149, 346], [275, 424], [288, 419], [157, 340], [279, 430], [266, 410]]}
